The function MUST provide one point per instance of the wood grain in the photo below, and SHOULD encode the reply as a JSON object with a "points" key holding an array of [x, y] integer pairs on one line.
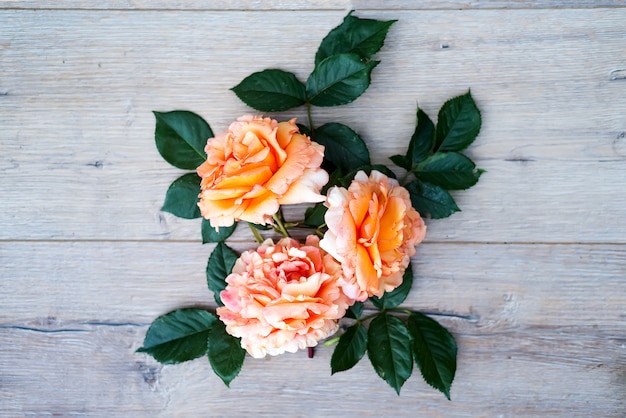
{"points": [[492, 286], [297, 5], [93, 371], [525, 316], [529, 277], [553, 119]]}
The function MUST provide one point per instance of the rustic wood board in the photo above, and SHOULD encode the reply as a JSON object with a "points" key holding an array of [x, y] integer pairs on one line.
{"points": [[526, 346], [530, 277], [554, 118]]}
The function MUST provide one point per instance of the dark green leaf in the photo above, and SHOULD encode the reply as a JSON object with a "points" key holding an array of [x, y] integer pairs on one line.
{"points": [[422, 140], [209, 234], [225, 353], [458, 124], [401, 161], [335, 178], [179, 336], [355, 310], [304, 130], [362, 36], [389, 350], [450, 170], [350, 349], [314, 216], [181, 137], [271, 91], [431, 199], [338, 80], [343, 147], [434, 350], [181, 198], [398, 295], [220, 265]]}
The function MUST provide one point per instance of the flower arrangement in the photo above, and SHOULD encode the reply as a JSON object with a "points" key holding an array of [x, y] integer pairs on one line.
{"points": [[345, 282]]}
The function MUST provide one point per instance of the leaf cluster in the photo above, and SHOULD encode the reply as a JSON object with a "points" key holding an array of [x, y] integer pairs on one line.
{"points": [[342, 71], [434, 156], [394, 339], [186, 334], [393, 345]]}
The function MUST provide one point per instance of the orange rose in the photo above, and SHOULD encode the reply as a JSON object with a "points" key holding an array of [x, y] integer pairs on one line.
{"points": [[255, 166], [372, 232], [283, 297]]}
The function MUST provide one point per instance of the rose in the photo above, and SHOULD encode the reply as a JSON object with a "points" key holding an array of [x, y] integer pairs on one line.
{"points": [[284, 297], [255, 166], [372, 231]]}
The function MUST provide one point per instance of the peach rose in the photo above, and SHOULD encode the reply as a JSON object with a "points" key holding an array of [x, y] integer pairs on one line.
{"points": [[255, 166], [372, 231], [283, 297]]}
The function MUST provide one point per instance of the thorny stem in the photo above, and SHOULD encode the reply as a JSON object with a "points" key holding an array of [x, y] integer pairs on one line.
{"points": [[256, 234]]}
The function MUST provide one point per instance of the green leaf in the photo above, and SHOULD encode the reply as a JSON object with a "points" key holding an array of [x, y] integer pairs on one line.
{"points": [[343, 147], [220, 265], [339, 80], [181, 137], [209, 234], [178, 336], [394, 298], [431, 199], [181, 198], [314, 216], [458, 124], [271, 91], [434, 350], [389, 350], [304, 130], [350, 349], [355, 310], [362, 36], [225, 353], [401, 161], [422, 140], [450, 170]]}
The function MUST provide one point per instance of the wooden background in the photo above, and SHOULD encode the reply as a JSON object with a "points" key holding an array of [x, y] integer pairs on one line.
{"points": [[530, 277]]}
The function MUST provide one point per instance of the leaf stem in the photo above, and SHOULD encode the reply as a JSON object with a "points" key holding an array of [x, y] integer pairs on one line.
{"points": [[332, 341], [361, 320], [280, 227], [257, 235]]}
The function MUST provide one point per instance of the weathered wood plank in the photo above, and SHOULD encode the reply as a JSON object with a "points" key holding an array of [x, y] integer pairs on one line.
{"points": [[496, 288], [79, 87], [299, 5], [94, 371]]}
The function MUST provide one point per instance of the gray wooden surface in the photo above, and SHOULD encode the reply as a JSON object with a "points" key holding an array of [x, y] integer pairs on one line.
{"points": [[530, 277]]}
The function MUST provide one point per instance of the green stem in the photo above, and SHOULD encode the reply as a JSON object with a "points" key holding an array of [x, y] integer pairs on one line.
{"points": [[361, 320], [332, 341], [256, 234], [280, 227]]}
